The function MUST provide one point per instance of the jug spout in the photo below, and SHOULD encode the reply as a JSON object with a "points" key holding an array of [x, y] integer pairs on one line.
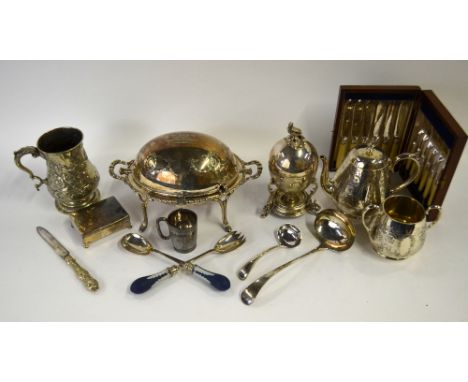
{"points": [[325, 181]]}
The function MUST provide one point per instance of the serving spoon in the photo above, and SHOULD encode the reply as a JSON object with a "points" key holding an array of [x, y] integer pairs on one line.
{"points": [[288, 236], [336, 232], [137, 244]]}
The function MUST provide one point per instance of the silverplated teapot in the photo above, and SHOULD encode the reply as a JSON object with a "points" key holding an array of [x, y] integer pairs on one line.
{"points": [[363, 178]]}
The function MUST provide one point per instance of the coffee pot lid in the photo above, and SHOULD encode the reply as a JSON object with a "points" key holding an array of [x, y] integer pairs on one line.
{"points": [[369, 156]]}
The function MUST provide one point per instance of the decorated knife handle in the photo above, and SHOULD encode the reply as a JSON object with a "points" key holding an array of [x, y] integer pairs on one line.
{"points": [[145, 283], [217, 281], [88, 281]]}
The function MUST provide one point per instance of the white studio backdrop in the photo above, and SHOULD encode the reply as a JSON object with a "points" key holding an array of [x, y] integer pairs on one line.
{"points": [[120, 105]]}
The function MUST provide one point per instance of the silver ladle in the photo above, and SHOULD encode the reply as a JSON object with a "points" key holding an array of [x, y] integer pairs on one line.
{"points": [[288, 236], [336, 233]]}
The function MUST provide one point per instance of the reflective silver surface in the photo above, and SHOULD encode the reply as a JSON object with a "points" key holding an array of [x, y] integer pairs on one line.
{"points": [[336, 232], [185, 168], [397, 229], [287, 235], [71, 177], [364, 178], [293, 164], [185, 161], [139, 245], [136, 243], [182, 224]]}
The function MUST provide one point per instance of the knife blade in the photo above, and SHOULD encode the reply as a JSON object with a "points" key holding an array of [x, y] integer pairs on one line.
{"points": [[82, 274]]}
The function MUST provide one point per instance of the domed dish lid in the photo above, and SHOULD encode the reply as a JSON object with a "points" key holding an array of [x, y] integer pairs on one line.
{"points": [[186, 161], [294, 154]]}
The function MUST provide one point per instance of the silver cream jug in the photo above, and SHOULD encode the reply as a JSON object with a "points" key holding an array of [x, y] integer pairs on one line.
{"points": [[397, 229], [363, 178]]}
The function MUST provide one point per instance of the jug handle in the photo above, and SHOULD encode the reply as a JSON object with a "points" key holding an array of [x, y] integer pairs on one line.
{"points": [[364, 213], [34, 151], [439, 211], [407, 156]]}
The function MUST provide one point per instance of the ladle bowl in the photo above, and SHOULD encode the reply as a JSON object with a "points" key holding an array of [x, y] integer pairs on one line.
{"points": [[288, 236], [335, 231]]}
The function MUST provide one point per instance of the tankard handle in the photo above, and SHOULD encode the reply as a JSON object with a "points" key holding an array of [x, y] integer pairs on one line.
{"points": [[411, 157], [158, 226], [34, 151], [439, 212], [364, 213]]}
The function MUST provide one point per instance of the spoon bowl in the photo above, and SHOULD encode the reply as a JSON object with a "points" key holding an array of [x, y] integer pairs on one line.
{"points": [[136, 243]]}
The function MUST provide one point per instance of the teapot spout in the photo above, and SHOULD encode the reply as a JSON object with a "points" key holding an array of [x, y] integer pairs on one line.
{"points": [[325, 182]]}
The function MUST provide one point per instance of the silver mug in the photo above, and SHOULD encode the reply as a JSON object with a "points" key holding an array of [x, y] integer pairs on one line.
{"points": [[397, 229], [182, 224], [71, 178]]}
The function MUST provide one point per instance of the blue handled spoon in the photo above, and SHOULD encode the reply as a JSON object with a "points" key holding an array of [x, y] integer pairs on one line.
{"points": [[137, 244]]}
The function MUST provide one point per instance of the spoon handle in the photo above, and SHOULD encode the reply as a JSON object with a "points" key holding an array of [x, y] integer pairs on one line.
{"points": [[217, 281], [143, 284], [249, 294], [201, 255], [247, 267]]}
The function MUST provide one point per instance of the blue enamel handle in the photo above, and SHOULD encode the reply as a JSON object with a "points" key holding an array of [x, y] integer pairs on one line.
{"points": [[216, 280], [143, 284]]}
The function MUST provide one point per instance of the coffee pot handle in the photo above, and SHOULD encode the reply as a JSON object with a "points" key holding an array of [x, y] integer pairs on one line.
{"points": [[439, 212], [407, 156], [364, 213], [34, 151]]}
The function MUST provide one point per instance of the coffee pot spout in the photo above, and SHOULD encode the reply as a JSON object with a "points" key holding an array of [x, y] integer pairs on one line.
{"points": [[325, 181]]}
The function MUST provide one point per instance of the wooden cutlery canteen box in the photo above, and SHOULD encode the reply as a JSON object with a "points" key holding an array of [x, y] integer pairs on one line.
{"points": [[399, 119]]}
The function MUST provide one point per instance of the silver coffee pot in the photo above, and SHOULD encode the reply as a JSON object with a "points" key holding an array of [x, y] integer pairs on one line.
{"points": [[363, 178]]}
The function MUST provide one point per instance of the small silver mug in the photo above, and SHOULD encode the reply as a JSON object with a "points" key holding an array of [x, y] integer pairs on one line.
{"points": [[397, 229], [182, 224]]}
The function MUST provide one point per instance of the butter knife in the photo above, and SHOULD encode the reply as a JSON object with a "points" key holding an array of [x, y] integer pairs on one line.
{"points": [[88, 281]]}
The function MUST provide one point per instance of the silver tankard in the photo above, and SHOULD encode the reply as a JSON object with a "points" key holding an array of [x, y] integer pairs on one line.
{"points": [[71, 178], [397, 229]]}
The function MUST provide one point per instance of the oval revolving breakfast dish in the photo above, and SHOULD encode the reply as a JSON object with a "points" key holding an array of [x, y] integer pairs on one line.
{"points": [[185, 168]]}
